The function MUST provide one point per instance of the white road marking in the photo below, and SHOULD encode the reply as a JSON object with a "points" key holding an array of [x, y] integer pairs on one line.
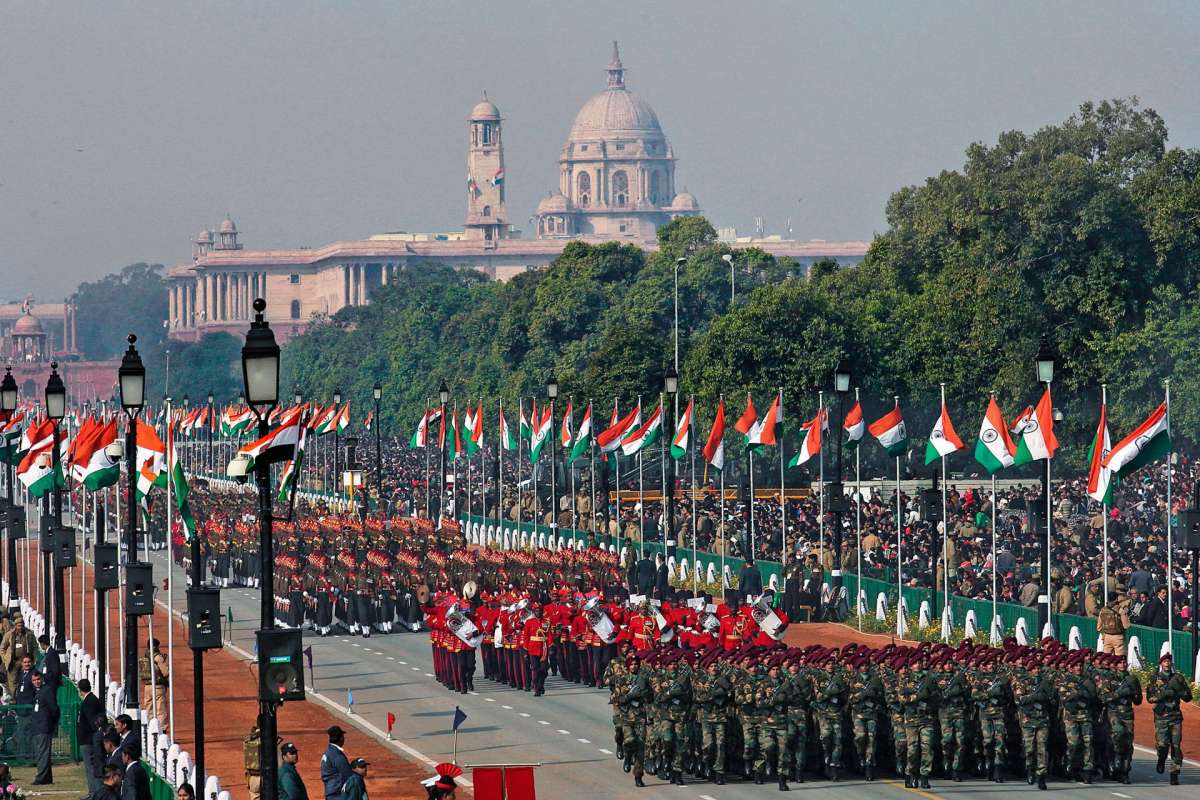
{"points": [[474, 693], [490, 699], [564, 733], [606, 752], [523, 714], [507, 708], [391, 658], [405, 663], [415, 669], [706, 797], [1118, 794], [428, 674], [583, 741], [542, 722]]}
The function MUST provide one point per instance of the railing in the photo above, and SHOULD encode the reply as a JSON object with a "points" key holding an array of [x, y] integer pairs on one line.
{"points": [[1151, 640]]}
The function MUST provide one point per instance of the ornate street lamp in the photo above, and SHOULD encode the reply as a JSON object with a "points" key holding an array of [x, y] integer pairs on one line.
{"points": [[1045, 362], [552, 393], [671, 385], [377, 394], [56, 409], [8, 405], [131, 379]]}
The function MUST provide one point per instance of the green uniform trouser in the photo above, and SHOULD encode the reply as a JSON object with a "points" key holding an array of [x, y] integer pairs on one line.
{"points": [[797, 733], [618, 730], [675, 738], [1120, 736], [865, 727], [899, 743], [830, 727], [751, 729], [1168, 734], [1035, 738], [661, 738], [1078, 728], [954, 737], [772, 744], [712, 740], [918, 733], [633, 731], [992, 734]]}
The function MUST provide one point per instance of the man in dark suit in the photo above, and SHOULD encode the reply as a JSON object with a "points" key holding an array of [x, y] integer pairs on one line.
{"points": [[136, 783], [750, 581], [644, 575], [1155, 614], [43, 725], [335, 767], [662, 578], [23, 696], [123, 726], [110, 785], [87, 728], [51, 663]]}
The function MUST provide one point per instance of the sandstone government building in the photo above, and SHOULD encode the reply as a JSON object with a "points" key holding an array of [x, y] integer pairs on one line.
{"points": [[616, 183]]}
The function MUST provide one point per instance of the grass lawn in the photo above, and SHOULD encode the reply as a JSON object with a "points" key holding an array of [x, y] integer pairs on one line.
{"points": [[69, 781]]}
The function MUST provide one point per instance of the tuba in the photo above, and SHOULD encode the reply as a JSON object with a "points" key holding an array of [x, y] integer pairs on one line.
{"points": [[767, 619], [599, 620], [463, 628], [665, 632]]}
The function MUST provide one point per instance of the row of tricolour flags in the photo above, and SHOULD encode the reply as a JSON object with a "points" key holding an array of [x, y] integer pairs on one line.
{"points": [[1028, 437]]}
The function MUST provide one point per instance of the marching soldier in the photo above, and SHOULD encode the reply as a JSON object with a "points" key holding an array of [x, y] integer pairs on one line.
{"points": [[536, 633], [895, 710], [1077, 695], [991, 693], [772, 700], [800, 699], [830, 702], [1035, 698], [952, 717], [633, 697], [614, 677], [1167, 689], [1120, 691], [751, 717], [711, 698], [865, 701], [678, 693], [918, 691]]}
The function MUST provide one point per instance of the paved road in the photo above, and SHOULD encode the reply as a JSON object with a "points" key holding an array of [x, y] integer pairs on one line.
{"points": [[568, 731]]}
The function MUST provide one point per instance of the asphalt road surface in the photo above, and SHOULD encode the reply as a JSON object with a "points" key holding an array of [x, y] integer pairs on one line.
{"points": [[569, 730]]}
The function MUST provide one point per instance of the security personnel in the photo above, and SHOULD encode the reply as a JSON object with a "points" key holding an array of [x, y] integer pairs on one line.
{"points": [[830, 704], [752, 717], [614, 675], [1077, 694], [155, 673], [772, 697], [918, 692], [633, 698], [1035, 698], [800, 700], [992, 695], [1167, 689], [711, 691], [1120, 692], [865, 701], [955, 697], [678, 712], [250, 756]]}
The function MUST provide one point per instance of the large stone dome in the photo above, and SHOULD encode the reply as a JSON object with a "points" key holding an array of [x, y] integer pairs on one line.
{"points": [[615, 112], [28, 325]]}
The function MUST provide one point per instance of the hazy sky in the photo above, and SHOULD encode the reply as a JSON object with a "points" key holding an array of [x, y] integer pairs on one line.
{"points": [[125, 128]]}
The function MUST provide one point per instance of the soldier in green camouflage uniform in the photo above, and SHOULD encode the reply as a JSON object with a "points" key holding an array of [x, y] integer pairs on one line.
{"points": [[614, 674], [955, 698], [1120, 691], [741, 680], [634, 699], [1077, 696], [991, 694], [830, 702], [711, 692], [865, 702], [678, 713], [918, 693], [891, 681], [772, 699], [1035, 699], [658, 753], [800, 698], [751, 716], [1167, 689]]}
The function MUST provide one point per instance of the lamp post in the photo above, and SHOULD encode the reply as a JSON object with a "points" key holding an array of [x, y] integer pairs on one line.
{"points": [[671, 381], [132, 379], [836, 501], [337, 464], [260, 373], [552, 393], [728, 259], [1045, 374], [444, 397], [377, 393], [8, 404], [679, 262], [56, 409]]}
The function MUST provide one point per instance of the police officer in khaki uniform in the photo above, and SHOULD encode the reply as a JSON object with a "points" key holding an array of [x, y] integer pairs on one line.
{"points": [[250, 755], [155, 682]]}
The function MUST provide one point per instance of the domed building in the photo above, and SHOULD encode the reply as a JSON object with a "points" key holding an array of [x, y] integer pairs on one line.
{"points": [[616, 170]]}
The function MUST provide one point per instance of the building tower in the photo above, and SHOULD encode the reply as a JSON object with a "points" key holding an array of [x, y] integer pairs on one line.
{"points": [[486, 216], [227, 236]]}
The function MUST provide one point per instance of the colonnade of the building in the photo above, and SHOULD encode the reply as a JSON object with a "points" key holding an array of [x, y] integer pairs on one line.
{"points": [[216, 297]]}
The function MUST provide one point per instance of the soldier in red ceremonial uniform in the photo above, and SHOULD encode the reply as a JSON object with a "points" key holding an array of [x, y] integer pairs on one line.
{"points": [[536, 634], [643, 629], [735, 629]]}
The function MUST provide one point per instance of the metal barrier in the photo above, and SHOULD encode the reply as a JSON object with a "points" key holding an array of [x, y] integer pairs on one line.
{"points": [[16, 745]]}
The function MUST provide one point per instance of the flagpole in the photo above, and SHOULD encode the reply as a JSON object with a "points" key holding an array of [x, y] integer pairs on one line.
{"points": [[570, 466], [1104, 510], [171, 581], [750, 555], [1170, 531], [821, 484], [641, 497], [500, 475], [945, 534], [692, 463], [616, 454], [901, 625], [425, 445], [782, 487], [121, 595], [995, 600], [857, 518], [662, 456], [592, 473]]}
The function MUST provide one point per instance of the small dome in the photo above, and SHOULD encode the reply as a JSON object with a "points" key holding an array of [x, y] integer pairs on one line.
{"points": [[28, 325], [556, 203], [485, 110], [685, 201], [228, 227], [203, 237]]}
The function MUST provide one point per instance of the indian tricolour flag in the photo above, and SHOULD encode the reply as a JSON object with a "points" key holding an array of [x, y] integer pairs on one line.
{"points": [[539, 433], [278, 445], [342, 421], [679, 444], [507, 440], [291, 470], [567, 434], [1037, 435], [853, 427], [714, 448], [40, 471], [890, 431], [420, 437], [92, 466], [610, 439], [765, 432], [1100, 477], [498, 178], [811, 447], [583, 438], [995, 448], [1149, 441], [943, 440], [475, 430], [644, 435]]}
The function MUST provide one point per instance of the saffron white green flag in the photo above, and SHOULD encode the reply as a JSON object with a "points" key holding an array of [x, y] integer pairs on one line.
{"points": [[853, 426], [540, 432], [507, 440], [644, 435], [1038, 441], [813, 432], [994, 449], [1100, 477], [1149, 441], [93, 467], [890, 432], [714, 448], [943, 439], [679, 444], [583, 439]]}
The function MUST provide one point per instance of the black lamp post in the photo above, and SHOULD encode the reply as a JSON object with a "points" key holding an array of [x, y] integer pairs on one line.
{"points": [[552, 393], [337, 464], [8, 404], [132, 379], [56, 409], [1045, 374], [260, 373], [836, 500], [671, 384], [444, 397], [377, 393]]}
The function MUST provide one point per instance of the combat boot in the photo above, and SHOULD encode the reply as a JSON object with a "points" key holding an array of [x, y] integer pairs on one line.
{"points": [[1030, 778], [869, 772], [1162, 760], [1125, 777], [783, 787], [997, 775], [620, 753], [628, 765], [1042, 782], [924, 782], [679, 778], [719, 780], [758, 776], [957, 776], [1087, 776], [1174, 778], [638, 782], [908, 781]]}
